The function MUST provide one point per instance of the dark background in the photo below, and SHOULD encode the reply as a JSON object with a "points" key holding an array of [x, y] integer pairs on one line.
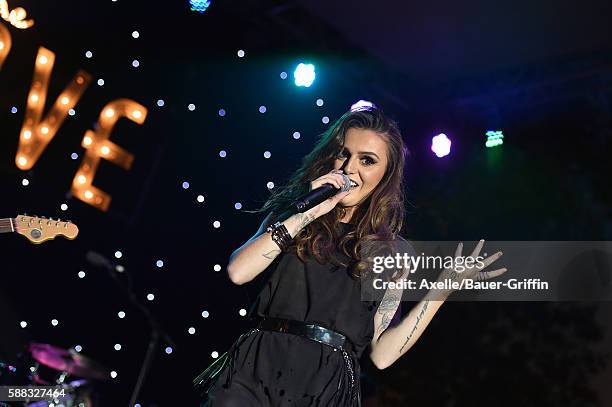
{"points": [[540, 72]]}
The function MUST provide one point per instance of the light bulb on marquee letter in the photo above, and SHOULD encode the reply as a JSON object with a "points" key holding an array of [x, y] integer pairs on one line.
{"points": [[37, 132], [5, 43], [97, 146], [16, 16]]}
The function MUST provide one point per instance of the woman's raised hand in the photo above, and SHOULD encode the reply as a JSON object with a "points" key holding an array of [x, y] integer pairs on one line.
{"points": [[461, 271], [334, 178]]}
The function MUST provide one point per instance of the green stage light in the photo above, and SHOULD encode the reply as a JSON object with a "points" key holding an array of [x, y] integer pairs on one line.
{"points": [[494, 138]]}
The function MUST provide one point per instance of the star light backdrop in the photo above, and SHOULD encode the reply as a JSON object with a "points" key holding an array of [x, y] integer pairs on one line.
{"points": [[160, 125]]}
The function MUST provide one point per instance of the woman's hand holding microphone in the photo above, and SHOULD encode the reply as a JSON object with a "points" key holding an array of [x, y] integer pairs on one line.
{"points": [[258, 253], [335, 178], [300, 220]]}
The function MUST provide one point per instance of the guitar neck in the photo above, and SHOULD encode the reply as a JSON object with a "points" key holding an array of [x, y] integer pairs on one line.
{"points": [[7, 225]]}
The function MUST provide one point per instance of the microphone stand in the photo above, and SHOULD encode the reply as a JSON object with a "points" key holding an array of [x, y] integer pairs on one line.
{"points": [[156, 333]]}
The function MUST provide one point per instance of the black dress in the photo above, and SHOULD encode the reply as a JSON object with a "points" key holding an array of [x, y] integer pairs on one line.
{"points": [[281, 369]]}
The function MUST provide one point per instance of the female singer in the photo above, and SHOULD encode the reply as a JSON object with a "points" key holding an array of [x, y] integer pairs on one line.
{"points": [[313, 325]]}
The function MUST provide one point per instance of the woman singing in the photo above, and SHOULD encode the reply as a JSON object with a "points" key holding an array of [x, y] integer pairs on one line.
{"points": [[313, 325]]}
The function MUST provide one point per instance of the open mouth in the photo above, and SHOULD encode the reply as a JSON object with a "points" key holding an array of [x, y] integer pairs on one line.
{"points": [[354, 184]]}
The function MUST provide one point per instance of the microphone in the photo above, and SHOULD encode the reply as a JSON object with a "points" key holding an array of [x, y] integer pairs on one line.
{"points": [[157, 331], [318, 195]]}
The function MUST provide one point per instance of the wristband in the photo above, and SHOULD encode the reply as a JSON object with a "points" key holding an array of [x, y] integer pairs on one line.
{"points": [[280, 235]]}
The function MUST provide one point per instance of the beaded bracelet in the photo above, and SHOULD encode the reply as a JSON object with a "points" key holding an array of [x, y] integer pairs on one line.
{"points": [[280, 235]]}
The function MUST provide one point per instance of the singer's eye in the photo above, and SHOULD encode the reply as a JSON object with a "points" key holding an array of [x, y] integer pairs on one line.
{"points": [[342, 154], [368, 161]]}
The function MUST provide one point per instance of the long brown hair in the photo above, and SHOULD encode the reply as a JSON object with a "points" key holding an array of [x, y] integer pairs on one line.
{"points": [[382, 221]]}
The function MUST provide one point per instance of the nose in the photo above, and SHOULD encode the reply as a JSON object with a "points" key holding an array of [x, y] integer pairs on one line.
{"points": [[348, 165]]}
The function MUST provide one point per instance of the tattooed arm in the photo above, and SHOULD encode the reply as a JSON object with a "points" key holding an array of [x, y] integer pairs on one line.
{"points": [[389, 344], [385, 312], [258, 252]]}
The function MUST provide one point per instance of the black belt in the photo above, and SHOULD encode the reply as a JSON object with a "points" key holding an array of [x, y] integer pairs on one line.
{"points": [[307, 330]]}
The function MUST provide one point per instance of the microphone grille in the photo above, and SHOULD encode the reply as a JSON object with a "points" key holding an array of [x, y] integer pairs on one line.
{"points": [[347, 183]]}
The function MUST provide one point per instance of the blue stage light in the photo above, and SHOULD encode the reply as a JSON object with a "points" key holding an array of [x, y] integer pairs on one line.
{"points": [[199, 5], [304, 74]]}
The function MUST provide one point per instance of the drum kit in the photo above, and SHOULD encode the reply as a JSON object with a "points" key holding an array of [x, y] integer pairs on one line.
{"points": [[47, 365]]}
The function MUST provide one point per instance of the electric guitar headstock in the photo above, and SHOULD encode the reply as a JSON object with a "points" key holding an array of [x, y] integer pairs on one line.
{"points": [[40, 229]]}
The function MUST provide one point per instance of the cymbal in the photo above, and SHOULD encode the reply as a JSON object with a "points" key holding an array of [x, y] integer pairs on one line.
{"points": [[68, 361]]}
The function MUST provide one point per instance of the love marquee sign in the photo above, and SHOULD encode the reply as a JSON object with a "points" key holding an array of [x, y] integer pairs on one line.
{"points": [[39, 128]]}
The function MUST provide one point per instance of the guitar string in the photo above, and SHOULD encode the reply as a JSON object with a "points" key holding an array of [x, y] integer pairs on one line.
{"points": [[37, 224], [8, 222]]}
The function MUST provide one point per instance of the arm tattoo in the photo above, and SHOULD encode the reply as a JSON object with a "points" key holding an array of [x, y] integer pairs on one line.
{"points": [[304, 220], [271, 254], [389, 303], [416, 324], [384, 324], [387, 309]]}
